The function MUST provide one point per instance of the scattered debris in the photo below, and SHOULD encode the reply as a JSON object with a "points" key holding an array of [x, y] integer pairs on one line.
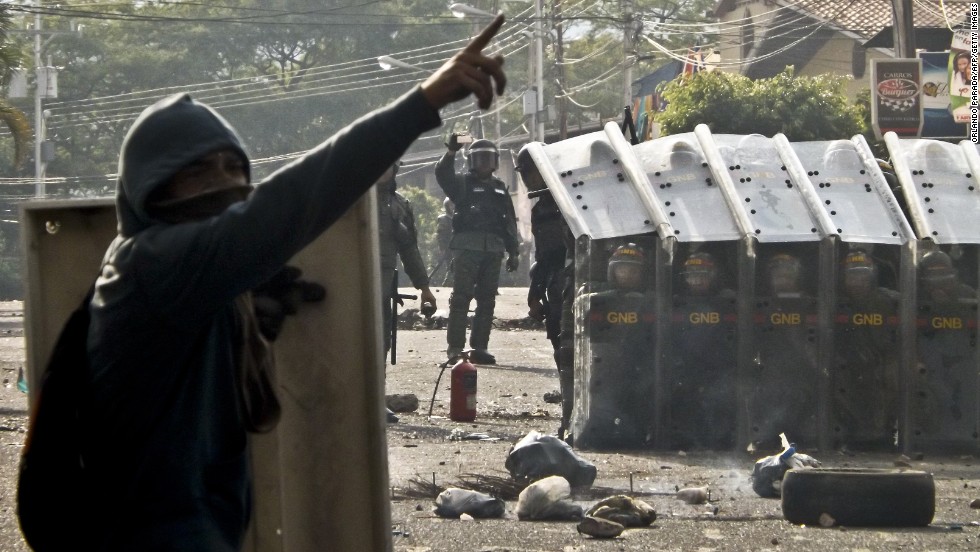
{"points": [[552, 397], [600, 528], [548, 499], [827, 520], [407, 402], [502, 486], [458, 434], [767, 474], [624, 510], [453, 503], [975, 504], [537, 456], [693, 495]]}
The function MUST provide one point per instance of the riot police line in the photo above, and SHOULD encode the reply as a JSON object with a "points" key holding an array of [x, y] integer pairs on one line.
{"points": [[728, 288]]}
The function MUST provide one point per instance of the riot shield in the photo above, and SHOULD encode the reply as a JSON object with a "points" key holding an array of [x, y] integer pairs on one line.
{"points": [[867, 350], [945, 391], [616, 379], [702, 352], [614, 347], [785, 372]]}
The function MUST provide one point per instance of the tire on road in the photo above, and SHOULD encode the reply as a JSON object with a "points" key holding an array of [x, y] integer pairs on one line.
{"points": [[859, 497]]}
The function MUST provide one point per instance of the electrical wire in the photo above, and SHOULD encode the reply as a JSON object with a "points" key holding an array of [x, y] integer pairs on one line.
{"points": [[56, 107], [817, 26], [239, 98]]}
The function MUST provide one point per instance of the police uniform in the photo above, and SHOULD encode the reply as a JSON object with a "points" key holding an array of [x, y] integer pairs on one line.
{"points": [[444, 234], [551, 278], [397, 237], [484, 228]]}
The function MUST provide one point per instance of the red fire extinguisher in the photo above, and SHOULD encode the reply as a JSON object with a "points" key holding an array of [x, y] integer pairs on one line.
{"points": [[462, 390]]}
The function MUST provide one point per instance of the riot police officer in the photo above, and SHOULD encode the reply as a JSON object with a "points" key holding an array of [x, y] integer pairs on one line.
{"points": [[785, 274], [484, 228], [866, 355], [618, 343], [940, 282], [702, 357], [859, 280], [397, 238], [700, 275], [444, 234], [551, 291]]}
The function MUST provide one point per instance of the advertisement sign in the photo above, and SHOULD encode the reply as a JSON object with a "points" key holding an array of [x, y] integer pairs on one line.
{"points": [[961, 76], [937, 114], [896, 96]]}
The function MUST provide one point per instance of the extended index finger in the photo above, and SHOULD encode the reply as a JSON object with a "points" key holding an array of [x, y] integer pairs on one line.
{"points": [[481, 40]]}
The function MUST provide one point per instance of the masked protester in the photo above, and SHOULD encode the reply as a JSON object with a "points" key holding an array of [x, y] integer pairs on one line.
{"points": [[167, 413]]}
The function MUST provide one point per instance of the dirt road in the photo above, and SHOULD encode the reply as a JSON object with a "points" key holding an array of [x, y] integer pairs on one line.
{"points": [[510, 404]]}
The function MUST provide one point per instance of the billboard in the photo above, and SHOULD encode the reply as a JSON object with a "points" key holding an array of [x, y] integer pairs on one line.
{"points": [[937, 110], [896, 96]]}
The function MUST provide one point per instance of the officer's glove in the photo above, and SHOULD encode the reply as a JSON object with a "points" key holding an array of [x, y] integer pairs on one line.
{"points": [[280, 296], [454, 144], [513, 262]]}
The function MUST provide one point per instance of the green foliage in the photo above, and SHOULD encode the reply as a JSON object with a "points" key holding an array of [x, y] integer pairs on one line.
{"points": [[279, 71], [427, 209], [16, 122], [594, 59], [10, 265], [803, 108]]}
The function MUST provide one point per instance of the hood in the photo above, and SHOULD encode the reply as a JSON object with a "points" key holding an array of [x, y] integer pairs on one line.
{"points": [[165, 138]]}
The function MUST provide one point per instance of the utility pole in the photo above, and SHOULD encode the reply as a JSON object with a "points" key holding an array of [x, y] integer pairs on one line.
{"points": [[39, 186], [903, 28], [560, 71], [627, 52], [539, 66]]}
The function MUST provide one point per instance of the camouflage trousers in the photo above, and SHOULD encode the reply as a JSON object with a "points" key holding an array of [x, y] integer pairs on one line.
{"points": [[475, 276]]}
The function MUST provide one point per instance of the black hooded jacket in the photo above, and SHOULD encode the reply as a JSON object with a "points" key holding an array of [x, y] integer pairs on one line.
{"points": [[167, 445]]}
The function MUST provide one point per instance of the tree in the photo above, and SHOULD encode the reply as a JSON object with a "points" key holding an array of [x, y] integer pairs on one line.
{"points": [[593, 54], [426, 209], [803, 108], [11, 117], [286, 73]]}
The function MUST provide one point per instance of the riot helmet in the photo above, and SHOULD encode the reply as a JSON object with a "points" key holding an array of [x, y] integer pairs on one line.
{"points": [[699, 273], [841, 154], [784, 274], [755, 150], [936, 270], [626, 267], [683, 155], [529, 171], [482, 157], [859, 274]]}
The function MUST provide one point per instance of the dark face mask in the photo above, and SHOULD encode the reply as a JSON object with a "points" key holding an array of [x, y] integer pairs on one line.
{"points": [[198, 207]]}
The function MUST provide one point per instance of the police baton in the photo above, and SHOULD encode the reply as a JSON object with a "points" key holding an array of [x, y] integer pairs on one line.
{"points": [[396, 298]]}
